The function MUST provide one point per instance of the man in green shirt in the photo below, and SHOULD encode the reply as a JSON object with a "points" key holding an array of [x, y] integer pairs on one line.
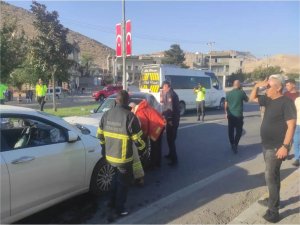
{"points": [[234, 113], [3, 88], [200, 101]]}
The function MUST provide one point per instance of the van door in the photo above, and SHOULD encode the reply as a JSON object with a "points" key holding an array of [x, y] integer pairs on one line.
{"points": [[216, 92]]}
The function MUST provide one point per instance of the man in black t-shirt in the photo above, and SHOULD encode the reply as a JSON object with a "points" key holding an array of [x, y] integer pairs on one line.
{"points": [[277, 130]]}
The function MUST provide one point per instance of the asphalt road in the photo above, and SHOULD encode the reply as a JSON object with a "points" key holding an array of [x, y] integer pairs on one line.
{"points": [[203, 150]]}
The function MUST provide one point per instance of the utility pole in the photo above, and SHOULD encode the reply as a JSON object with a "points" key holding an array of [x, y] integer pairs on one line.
{"points": [[210, 44], [124, 46]]}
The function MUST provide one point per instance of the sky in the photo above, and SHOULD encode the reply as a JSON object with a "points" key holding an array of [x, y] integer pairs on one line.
{"points": [[263, 28]]}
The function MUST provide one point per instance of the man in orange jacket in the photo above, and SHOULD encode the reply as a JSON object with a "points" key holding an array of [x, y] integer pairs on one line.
{"points": [[152, 125]]}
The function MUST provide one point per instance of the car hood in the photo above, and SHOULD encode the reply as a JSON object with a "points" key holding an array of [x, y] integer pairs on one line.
{"points": [[91, 123]]}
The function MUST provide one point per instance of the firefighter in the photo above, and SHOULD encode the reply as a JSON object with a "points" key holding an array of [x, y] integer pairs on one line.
{"points": [[118, 128]]}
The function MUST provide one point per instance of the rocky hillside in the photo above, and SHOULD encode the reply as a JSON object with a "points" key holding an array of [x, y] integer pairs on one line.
{"points": [[288, 63], [97, 50]]}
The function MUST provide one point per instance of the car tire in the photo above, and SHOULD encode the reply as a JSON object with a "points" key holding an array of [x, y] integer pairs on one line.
{"points": [[182, 108], [102, 176], [222, 103]]}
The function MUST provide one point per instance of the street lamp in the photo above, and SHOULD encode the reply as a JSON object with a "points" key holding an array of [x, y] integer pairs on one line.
{"points": [[124, 46], [210, 44]]}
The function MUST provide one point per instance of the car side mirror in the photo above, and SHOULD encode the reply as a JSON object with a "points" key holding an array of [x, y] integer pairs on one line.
{"points": [[72, 136], [93, 111]]}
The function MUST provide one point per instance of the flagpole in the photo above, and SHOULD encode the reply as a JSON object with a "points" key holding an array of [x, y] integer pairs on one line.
{"points": [[124, 83]]}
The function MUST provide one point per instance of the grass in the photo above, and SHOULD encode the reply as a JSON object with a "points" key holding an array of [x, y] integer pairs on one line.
{"points": [[72, 111]]}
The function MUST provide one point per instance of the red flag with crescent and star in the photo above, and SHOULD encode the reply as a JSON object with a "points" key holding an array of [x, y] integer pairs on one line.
{"points": [[119, 40]]}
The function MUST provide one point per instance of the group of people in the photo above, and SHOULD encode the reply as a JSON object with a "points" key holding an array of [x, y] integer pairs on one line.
{"points": [[128, 123], [279, 129], [40, 89]]}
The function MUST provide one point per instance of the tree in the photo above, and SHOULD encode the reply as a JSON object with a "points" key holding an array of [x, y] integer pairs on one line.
{"points": [[175, 56], [86, 63], [13, 45], [50, 49], [262, 73], [293, 75]]}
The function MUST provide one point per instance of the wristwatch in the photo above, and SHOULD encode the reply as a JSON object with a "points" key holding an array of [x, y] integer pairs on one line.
{"points": [[286, 146]]}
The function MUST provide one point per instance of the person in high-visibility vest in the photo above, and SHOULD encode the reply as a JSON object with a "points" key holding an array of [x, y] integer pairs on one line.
{"points": [[200, 91], [3, 88], [40, 93]]}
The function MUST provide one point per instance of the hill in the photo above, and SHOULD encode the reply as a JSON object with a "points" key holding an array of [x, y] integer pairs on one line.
{"points": [[25, 19], [288, 63]]}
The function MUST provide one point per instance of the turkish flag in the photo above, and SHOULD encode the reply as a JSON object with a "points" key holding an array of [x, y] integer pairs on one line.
{"points": [[119, 40], [128, 38]]}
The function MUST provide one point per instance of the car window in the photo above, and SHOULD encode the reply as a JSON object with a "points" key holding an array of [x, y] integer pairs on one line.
{"points": [[20, 132], [106, 105]]}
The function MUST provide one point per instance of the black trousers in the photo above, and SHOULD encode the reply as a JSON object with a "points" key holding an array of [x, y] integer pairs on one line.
{"points": [[235, 128], [155, 154], [171, 138], [41, 101], [120, 183], [201, 109]]}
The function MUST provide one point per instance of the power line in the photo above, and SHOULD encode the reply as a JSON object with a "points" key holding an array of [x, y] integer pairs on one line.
{"points": [[109, 30]]}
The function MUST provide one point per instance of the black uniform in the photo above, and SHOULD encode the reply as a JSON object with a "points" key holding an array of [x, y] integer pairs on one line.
{"points": [[171, 113], [118, 129]]}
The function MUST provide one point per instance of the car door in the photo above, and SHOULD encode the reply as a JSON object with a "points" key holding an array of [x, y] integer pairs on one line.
{"points": [[5, 190], [43, 167]]}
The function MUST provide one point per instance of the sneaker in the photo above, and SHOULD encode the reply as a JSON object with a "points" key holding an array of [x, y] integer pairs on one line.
{"points": [[123, 213], [234, 148], [296, 163], [263, 202], [272, 217]]}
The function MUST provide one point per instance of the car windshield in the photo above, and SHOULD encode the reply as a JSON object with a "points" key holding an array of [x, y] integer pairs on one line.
{"points": [[110, 103]]}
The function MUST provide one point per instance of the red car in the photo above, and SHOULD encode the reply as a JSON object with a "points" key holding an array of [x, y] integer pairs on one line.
{"points": [[106, 91]]}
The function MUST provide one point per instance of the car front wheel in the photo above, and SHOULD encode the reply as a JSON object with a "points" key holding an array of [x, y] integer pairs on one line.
{"points": [[102, 176]]}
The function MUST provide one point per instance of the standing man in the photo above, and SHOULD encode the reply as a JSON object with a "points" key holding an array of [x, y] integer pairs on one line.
{"points": [[200, 101], [291, 92], [118, 128], [234, 113], [171, 112], [277, 130], [40, 93], [3, 89]]}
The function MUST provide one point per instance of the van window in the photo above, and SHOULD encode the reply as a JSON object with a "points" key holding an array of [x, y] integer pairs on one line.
{"points": [[188, 82]]}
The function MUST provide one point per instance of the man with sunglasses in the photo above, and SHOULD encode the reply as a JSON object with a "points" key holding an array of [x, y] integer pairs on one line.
{"points": [[277, 130]]}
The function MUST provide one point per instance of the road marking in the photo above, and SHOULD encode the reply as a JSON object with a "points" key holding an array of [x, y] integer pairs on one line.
{"points": [[198, 124], [159, 205]]}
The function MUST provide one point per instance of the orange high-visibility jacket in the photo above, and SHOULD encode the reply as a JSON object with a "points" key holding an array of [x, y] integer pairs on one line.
{"points": [[152, 122]]}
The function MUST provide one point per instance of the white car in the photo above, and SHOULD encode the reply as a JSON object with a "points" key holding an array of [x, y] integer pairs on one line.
{"points": [[45, 160]]}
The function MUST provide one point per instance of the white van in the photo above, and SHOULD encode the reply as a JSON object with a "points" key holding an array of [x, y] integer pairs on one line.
{"points": [[183, 82], [58, 92]]}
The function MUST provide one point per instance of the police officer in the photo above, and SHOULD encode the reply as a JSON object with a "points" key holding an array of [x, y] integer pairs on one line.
{"points": [[3, 89], [41, 90], [200, 92], [118, 128], [171, 112]]}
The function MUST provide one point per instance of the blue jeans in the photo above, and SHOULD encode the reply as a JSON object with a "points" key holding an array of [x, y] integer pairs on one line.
{"points": [[120, 183], [296, 143], [272, 176]]}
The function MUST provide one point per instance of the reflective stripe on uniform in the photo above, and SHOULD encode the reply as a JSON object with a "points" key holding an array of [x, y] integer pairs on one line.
{"points": [[118, 160], [123, 137], [137, 136]]}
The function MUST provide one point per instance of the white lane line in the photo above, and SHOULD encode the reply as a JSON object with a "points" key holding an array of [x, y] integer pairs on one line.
{"points": [[201, 123]]}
